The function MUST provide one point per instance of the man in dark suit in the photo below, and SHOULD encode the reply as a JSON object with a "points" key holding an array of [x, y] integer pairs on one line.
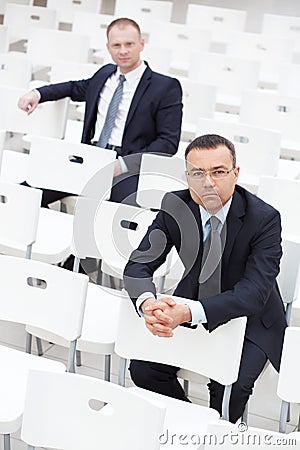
{"points": [[149, 115], [250, 232]]}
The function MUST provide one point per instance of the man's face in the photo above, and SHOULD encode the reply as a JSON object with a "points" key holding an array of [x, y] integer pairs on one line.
{"points": [[209, 192], [125, 45]]}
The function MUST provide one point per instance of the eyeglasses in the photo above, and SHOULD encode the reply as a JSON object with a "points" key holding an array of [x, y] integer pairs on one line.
{"points": [[214, 174]]}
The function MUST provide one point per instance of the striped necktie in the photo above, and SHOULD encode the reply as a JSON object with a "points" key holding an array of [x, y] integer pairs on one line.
{"points": [[111, 114], [210, 275]]}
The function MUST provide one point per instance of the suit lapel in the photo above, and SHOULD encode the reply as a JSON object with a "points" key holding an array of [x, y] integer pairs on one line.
{"points": [[233, 223], [141, 88]]}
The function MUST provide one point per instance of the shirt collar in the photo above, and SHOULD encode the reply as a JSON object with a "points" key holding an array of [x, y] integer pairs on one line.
{"points": [[134, 74], [221, 214]]}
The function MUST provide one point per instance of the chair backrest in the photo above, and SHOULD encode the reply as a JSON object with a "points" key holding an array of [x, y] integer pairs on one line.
{"points": [[71, 167], [289, 75], [68, 415], [15, 70], [288, 388], [21, 18], [286, 26], [284, 195], [47, 46], [219, 20], [289, 275], [49, 119], [67, 8], [159, 174], [42, 295], [271, 110], [193, 109], [231, 75], [94, 25], [180, 39], [270, 51], [145, 12], [257, 149], [19, 215], [217, 348], [3, 38], [229, 436], [159, 57], [65, 71]]}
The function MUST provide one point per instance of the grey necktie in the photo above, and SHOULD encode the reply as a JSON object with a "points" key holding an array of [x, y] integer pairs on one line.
{"points": [[111, 114], [210, 275]]}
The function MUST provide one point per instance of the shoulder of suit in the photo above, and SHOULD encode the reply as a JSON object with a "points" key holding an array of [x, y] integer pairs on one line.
{"points": [[254, 203]]}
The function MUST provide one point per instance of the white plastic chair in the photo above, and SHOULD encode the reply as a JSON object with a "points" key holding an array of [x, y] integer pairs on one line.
{"points": [[180, 39], [18, 229], [284, 26], [15, 70], [67, 8], [49, 119], [288, 388], [270, 51], [65, 71], [288, 84], [71, 416], [193, 109], [98, 233], [38, 294], [145, 12], [231, 436], [215, 351], [94, 25], [159, 174], [3, 39], [257, 149], [21, 18], [218, 20], [231, 75], [280, 113], [47, 46], [2, 141], [284, 195], [159, 58]]}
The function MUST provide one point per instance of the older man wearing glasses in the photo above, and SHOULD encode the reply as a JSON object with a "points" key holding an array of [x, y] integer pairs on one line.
{"points": [[230, 244]]}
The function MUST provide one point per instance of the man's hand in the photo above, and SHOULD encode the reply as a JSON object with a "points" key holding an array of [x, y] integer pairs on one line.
{"points": [[164, 315], [29, 101]]}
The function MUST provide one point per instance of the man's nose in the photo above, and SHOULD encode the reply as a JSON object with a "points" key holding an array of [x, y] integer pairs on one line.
{"points": [[208, 180]]}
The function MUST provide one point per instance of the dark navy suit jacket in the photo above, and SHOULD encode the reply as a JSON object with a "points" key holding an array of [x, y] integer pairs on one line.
{"points": [[250, 264], [153, 122]]}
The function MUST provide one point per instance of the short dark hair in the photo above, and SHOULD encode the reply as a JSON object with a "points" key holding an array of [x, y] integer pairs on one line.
{"points": [[211, 141], [123, 22]]}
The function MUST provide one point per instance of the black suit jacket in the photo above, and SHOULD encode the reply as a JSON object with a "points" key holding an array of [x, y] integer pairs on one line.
{"points": [[153, 122], [250, 264]]}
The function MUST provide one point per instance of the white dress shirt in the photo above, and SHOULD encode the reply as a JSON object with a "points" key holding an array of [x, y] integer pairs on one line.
{"points": [[129, 88]]}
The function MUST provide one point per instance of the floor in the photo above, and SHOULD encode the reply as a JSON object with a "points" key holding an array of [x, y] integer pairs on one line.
{"points": [[92, 365]]}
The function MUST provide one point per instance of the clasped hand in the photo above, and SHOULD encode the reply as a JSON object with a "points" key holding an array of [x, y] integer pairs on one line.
{"points": [[164, 315]]}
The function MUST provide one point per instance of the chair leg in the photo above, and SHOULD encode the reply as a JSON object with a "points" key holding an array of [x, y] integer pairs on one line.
{"points": [[107, 367], [30, 447], [186, 387], [39, 346], [78, 358], [245, 414], [122, 369], [225, 402], [6, 440], [28, 342], [71, 357], [283, 416]]}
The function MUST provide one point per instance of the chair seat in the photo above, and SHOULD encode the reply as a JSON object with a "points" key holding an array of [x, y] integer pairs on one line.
{"points": [[99, 324], [182, 418], [14, 369]]}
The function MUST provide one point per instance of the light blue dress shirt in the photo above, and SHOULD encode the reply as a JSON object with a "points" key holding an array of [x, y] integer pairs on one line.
{"points": [[196, 308]]}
